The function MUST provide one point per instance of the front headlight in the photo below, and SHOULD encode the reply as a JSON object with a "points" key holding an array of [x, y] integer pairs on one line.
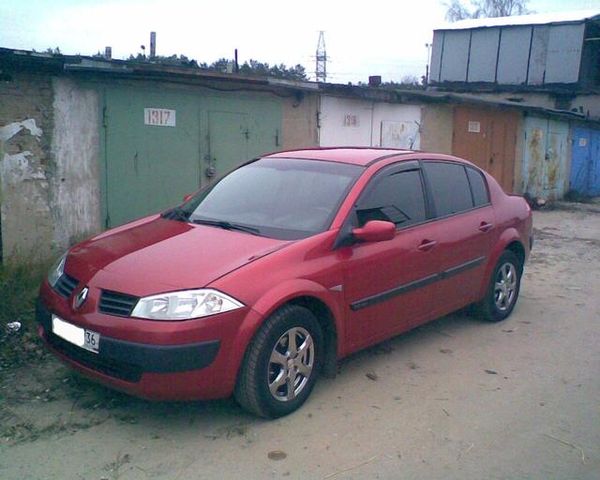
{"points": [[57, 270], [184, 305]]}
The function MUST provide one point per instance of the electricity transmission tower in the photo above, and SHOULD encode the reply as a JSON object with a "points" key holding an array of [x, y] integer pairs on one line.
{"points": [[321, 66]]}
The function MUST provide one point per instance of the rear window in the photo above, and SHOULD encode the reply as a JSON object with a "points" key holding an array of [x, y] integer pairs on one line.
{"points": [[478, 188], [449, 187]]}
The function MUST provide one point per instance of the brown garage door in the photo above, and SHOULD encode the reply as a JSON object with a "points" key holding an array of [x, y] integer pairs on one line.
{"points": [[488, 139]]}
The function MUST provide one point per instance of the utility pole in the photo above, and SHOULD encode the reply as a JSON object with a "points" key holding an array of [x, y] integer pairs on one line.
{"points": [[321, 65], [152, 45]]}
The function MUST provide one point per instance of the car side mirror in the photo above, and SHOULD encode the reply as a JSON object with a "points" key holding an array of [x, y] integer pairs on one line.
{"points": [[187, 197], [375, 231]]}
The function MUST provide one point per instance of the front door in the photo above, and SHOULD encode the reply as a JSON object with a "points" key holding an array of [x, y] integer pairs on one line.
{"points": [[388, 285]]}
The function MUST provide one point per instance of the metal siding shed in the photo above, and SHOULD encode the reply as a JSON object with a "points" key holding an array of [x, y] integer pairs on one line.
{"points": [[537, 57], [564, 53], [436, 56], [455, 56], [483, 56], [513, 56], [533, 50]]}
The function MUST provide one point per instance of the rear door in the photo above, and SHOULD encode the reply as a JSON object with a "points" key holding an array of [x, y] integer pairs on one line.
{"points": [[462, 229], [388, 285]]}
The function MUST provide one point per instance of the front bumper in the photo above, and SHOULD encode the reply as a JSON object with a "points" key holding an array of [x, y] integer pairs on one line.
{"points": [[188, 360], [129, 360]]}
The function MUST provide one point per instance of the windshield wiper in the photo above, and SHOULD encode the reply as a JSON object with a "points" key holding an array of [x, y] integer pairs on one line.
{"points": [[226, 225], [176, 213]]}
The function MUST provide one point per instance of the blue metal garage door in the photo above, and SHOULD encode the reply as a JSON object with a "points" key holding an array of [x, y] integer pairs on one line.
{"points": [[585, 162]]}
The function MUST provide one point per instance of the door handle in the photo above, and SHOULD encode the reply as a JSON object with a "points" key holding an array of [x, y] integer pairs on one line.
{"points": [[485, 226], [426, 245]]}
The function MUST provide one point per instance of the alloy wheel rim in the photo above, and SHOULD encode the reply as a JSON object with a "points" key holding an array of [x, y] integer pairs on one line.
{"points": [[291, 364], [505, 286]]}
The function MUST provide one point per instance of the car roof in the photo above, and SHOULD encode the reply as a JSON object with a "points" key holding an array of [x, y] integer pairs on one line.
{"points": [[362, 156]]}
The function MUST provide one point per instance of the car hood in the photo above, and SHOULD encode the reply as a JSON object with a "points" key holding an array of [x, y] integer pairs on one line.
{"points": [[160, 255]]}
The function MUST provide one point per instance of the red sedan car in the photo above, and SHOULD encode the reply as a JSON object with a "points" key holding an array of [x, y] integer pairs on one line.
{"points": [[263, 280]]}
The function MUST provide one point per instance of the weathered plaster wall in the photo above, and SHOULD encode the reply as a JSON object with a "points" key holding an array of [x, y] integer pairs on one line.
{"points": [[49, 180], [588, 105], [26, 123], [299, 122], [74, 183], [437, 128]]}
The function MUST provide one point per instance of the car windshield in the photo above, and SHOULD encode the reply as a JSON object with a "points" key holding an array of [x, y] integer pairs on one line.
{"points": [[275, 197]]}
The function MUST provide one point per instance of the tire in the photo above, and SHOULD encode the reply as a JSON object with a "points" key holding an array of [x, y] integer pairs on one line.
{"points": [[503, 290], [275, 378]]}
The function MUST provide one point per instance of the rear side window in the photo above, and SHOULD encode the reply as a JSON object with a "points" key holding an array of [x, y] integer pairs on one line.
{"points": [[396, 198], [449, 187], [478, 188]]}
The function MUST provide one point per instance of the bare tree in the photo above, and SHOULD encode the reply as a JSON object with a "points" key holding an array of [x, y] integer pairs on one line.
{"points": [[456, 10]]}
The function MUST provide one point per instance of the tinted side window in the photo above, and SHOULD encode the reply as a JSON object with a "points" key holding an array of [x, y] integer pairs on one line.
{"points": [[480, 193], [449, 187], [396, 198]]}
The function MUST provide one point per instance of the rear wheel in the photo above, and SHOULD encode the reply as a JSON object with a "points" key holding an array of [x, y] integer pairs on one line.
{"points": [[503, 290], [281, 364]]}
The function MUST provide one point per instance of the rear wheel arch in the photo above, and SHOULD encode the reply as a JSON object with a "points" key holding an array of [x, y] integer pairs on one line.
{"points": [[519, 250]]}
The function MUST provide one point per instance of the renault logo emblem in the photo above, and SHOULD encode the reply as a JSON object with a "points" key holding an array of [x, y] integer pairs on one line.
{"points": [[81, 297]]}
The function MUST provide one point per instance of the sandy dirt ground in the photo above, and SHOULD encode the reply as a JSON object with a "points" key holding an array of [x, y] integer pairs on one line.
{"points": [[455, 399]]}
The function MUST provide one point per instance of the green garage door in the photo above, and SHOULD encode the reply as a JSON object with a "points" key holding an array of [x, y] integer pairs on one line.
{"points": [[152, 152], [161, 144]]}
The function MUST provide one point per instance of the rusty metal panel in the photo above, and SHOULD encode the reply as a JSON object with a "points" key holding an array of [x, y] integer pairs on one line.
{"points": [[455, 56], [436, 56], [537, 57], [556, 177], [484, 54], [514, 55], [487, 138], [564, 53], [544, 168]]}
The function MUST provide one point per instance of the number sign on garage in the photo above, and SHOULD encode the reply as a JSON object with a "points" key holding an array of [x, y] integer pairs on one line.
{"points": [[161, 117]]}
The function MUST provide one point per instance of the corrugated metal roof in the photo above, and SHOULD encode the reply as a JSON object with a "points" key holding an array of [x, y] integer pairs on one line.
{"points": [[535, 19]]}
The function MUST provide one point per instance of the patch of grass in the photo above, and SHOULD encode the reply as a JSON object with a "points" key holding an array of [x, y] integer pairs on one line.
{"points": [[19, 285]]}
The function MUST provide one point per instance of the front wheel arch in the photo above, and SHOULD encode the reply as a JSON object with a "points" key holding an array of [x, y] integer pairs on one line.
{"points": [[252, 389]]}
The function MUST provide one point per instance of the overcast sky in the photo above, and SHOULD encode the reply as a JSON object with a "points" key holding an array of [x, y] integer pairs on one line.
{"points": [[362, 37]]}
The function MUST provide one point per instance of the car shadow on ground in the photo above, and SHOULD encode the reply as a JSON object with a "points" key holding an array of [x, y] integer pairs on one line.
{"points": [[49, 400]]}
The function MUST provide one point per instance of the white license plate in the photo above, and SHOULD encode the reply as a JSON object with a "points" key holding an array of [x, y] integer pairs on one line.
{"points": [[76, 335]]}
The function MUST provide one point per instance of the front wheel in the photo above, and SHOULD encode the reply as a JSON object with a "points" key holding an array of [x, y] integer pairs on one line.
{"points": [[503, 290], [281, 364]]}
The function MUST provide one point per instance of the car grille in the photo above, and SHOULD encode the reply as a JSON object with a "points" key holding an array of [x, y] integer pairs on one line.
{"points": [[119, 304], [65, 285]]}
